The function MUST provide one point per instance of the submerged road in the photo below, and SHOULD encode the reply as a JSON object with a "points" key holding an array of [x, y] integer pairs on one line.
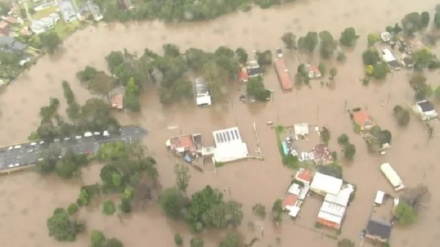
{"points": [[25, 154]]}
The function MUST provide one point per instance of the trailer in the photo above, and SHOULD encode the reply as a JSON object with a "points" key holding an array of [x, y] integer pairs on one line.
{"points": [[392, 176]]}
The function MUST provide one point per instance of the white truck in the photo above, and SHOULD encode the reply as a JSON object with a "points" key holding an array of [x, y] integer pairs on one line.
{"points": [[392, 176]]}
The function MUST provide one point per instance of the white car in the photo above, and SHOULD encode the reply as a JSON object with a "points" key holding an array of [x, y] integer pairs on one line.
{"points": [[42, 142], [96, 133], [56, 140], [17, 146], [40, 159], [17, 164], [88, 134], [78, 137], [106, 133], [30, 151], [67, 138], [33, 143], [10, 148]]}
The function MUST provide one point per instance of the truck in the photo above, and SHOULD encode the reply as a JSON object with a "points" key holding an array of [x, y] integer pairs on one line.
{"points": [[392, 176]]}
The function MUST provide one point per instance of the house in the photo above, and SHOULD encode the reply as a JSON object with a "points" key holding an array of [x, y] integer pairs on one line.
{"points": [[44, 4], [253, 69], [297, 192], [4, 28], [312, 71], [203, 98], [425, 110], [386, 37], [390, 59], [243, 75], [67, 11], [118, 101], [44, 24], [229, 146], [324, 184], [185, 144], [95, 11], [11, 44], [362, 119], [378, 230], [322, 155], [301, 131], [11, 20], [128, 4], [333, 208]]}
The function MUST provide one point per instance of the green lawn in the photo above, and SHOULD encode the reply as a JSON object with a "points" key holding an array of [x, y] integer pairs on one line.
{"points": [[65, 29], [45, 12]]}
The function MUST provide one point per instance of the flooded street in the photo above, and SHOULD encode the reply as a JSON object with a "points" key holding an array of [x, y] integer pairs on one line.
{"points": [[29, 199]]}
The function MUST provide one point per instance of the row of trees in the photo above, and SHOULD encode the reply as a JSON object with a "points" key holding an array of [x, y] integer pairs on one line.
{"points": [[349, 149], [94, 115], [171, 11], [66, 165]]}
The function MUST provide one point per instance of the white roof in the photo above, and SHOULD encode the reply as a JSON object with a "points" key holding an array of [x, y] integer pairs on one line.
{"points": [[326, 184], [330, 217], [301, 129], [379, 197], [333, 209], [391, 175], [387, 55], [230, 152], [227, 136], [294, 189], [293, 210], [203, 100], [342, 197]]}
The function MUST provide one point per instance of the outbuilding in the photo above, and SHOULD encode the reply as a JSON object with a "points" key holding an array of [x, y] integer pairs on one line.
{"points": [[229, 145]]}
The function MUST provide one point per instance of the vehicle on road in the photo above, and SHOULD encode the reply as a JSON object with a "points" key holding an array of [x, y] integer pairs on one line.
{"points": [[56, 140], [40, 159], [67, 138], [96, 133], [33, 143], [10, 148], [42, 142], [78, 137], [106, 133], [30, 151], [88, 134], [17, 146]]}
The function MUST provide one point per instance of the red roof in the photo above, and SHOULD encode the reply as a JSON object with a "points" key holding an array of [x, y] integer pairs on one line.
{"points": [[186, 142], [283, 73], [243, 75], [290, 200], [362, 119], [304, 175]]}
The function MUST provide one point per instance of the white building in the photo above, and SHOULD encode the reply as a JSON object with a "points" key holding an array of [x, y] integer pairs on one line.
{"points": [[425, 110], [325, 184], [333, 208], [388, 56], [203, 97], [44, 24], [229, 145]]}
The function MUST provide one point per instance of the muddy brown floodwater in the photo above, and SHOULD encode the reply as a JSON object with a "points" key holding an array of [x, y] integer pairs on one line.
{"points": [[28, 199]]}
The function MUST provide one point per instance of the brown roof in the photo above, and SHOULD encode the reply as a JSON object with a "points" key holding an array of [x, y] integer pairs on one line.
{"points": [[305, 175], [186, 142], [118, 101], [290, 200], [362, 119]]}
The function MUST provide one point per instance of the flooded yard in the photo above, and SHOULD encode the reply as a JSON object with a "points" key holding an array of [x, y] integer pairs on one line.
{"points": [[29, 199]]}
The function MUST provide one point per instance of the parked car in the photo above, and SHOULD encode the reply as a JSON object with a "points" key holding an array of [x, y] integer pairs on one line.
{"points": [[88, 134]]}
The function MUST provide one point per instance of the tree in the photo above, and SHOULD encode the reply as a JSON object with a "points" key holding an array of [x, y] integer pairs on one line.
{"points": [[114, 59], [419, 85], [437, 93], [112, 151], [341, 57], [223, 215], [255, 88], [325, 135], [348, 37], [289, 40], [343, 139], [87, 74], [96, 81], [264, 58], [422, 58], [171, 50], [259, 210], [322, 69], [424, 20], [125, 205], [349, 151], [61, 227], [84, 197], [309, 42], [50, 41], [96, 115], [178, 240], [232, 239], [402, 115], [108, 207], [411, 23], [327, 45], [242, 55], [437, 20], [113, 242], [277, 211], [333, 73], [182, 176], [201, 202], [132, 95], [372, 38], [196, 242], [370, 57], [380, 71], [417, 197], [405, 213], [48, 159], [72, 208], [172, 202], [97, 239]]}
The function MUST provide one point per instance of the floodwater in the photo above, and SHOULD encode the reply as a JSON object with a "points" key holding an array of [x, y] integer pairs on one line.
{"points": [[28, 199]]}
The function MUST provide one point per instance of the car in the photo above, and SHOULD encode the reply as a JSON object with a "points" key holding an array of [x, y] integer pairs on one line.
{"points": [[17, 146], [78, 137], [106, 133], [33, 143], [56, 140], [67, 138], [30, 151], [16, 164], [60, 156], [10, 148], [40, 159], [88, 134], [42, 142], [96, 133], [11, 165]]}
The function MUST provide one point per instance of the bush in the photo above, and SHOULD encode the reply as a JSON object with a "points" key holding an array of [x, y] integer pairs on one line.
{"points": [[345, 243], [178, 240], [325, 135], [341, 57], [349, 151], [402, 115], [108, 207], [343, 139], [72, 209], [259, 210]]}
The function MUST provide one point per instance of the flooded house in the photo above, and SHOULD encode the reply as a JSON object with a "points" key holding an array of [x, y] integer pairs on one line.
{"points": [[10, 44], [313, 72], [203, 97], [229, 146], [117, 101], [425, 110], [67, 11], [378, 231], [363, 120], [282, 71], [44, 4], [297, 192], [322, 155], [390, 59], [188, 146], [94, 10]]}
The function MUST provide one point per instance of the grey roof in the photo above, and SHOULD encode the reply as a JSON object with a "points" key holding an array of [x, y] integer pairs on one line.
{"points": [[426, 106], [67, 10], [379, 228], [12, 44], [201, 86]]}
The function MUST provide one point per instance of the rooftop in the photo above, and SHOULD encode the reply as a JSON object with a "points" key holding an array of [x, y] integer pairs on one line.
{"points": [[183, 143], [379, 229], [229, 145], [290, 200], [322, 155], [118, 101], [426, 106], [304, 176], [283, 73], [325, 184], [362, 119]]}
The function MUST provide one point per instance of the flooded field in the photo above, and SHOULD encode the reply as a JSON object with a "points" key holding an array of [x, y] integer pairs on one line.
{"points": [[28, 199]]}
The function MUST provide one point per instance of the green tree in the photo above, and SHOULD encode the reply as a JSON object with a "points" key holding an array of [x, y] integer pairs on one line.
{"points": [[370, 57], [172, 201], [402, 115], [50, 41], [380, 70], [348, 37], [333, 73], [125, 205], [87, 74], [178, 240], [411, 23], [48, 159], [422, 58], [373, 38], [437, 20], [200, 204], [97, 239], [132, 95], [61, 227], [232, 239], [196, 58], [289, 40], [171, 50], [113, 242], [437, 93], [223, 215], [343, 139], [264, 58], [277, 211], [309, 42], [114, 59], [96, 115], [72, 208], [421, 88], [341, 57], [255, 88], [405, 213], [325, 135], [242, 55], [109, 208], [112, 151], [224, 51], [345, 243], [84, 197], [182, 176], [259, 210], [322, 69], [196, 242], [349, 151], [327, 44], [424, 20]]}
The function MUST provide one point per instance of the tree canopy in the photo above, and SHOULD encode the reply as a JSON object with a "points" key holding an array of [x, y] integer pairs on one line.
{"points": [[255, 88], [50, 41], [348, 37], [61, 227], [172, 201]]}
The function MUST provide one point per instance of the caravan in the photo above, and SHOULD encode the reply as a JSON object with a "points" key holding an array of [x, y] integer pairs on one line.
{"points": [[392, 176]]}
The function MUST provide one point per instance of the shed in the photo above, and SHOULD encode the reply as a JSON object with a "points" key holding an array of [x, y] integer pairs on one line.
{"points": [[378, 230], [325, 184], [379, 197]]}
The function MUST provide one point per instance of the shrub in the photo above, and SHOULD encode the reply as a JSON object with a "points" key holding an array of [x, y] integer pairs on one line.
{"points": [[72, 209], [402, 115], [343, 139], [259, 210], [178, 240], [109, 207]]}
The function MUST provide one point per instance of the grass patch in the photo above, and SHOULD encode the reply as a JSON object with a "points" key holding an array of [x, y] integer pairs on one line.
{"points": [[65, 29], [44, 12]]}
